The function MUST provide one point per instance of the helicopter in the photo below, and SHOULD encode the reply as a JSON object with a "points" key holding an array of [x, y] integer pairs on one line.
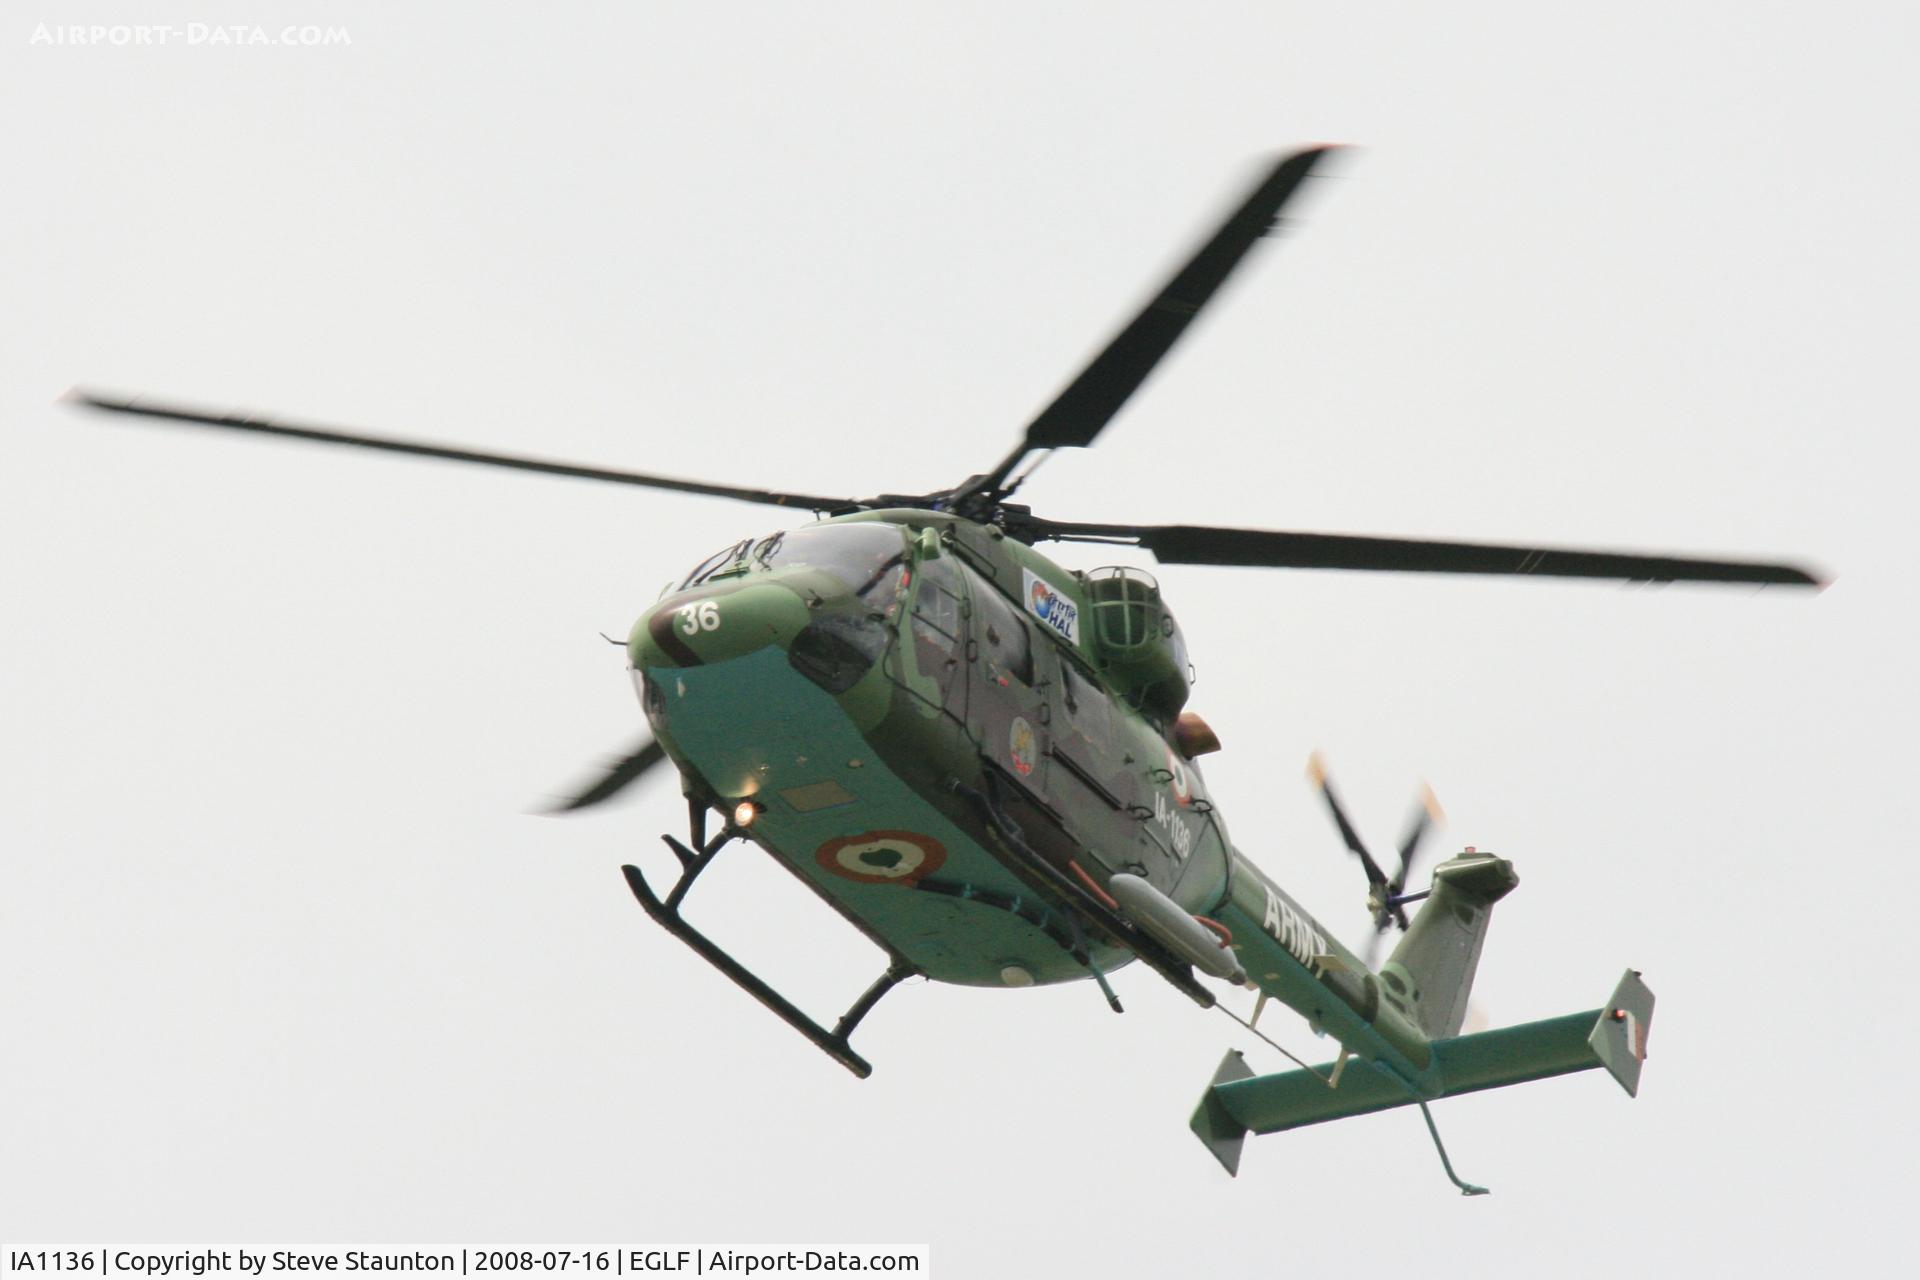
{"points": [[985, 763]]}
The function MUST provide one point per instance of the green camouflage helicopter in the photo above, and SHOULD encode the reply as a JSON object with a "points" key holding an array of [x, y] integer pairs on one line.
{"points": [[983, 759]]}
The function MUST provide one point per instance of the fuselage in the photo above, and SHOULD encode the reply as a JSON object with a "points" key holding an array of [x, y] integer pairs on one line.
{"points": [[949, 738]]}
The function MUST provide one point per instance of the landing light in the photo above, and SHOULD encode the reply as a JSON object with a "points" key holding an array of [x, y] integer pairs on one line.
{"points": [[744, 813]]}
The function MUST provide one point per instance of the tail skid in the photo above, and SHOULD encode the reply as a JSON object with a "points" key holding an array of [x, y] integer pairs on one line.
{"points": [[1238, 1102]]}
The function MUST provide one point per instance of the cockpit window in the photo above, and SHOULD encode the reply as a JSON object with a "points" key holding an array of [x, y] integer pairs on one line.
{"points": [[870, 558]]}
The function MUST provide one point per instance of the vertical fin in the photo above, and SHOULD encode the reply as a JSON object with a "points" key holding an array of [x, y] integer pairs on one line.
{"points": [[1213, 1123], [1619, 1038], [1430, 973]]}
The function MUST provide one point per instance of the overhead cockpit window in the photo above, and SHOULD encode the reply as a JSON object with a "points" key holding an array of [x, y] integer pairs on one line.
{"points": [[733, 556]]}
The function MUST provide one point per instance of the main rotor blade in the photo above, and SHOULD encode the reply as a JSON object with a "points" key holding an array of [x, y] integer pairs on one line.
{"points": [[1090, 401], [624, 772], [1201, 544], [516, 462]]}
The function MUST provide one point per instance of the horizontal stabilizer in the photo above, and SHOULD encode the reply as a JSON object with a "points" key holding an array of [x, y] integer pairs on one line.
{"points": [[1238, 1102]]}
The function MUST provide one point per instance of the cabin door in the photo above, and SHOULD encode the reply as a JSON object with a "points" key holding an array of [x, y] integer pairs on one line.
{"points": [[1007, 702]]}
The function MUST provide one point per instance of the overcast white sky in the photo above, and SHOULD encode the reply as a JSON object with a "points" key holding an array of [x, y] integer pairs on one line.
{"points": [[285, 955]]}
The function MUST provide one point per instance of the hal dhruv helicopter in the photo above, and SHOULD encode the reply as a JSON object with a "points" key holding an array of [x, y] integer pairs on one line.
{"points": [[984, 760]]}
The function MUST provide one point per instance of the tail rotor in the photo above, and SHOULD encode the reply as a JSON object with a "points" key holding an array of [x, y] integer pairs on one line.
{"points": [[1386, 895]]}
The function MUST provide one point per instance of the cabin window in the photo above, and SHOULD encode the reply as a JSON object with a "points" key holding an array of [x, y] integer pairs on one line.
{"points": [[1088, 708], [1006, 645], [937, 629], [936, 610]]}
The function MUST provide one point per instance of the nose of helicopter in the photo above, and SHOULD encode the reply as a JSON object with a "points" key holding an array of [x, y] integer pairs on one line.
{"points": [[825, 597], [715, 623], [827, 635], [726, 669]]}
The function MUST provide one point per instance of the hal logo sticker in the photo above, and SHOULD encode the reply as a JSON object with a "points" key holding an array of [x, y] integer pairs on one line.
{"points": [[1061, 615]]}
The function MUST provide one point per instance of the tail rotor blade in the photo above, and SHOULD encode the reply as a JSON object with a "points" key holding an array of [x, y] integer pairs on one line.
{"points": [[1317, 774], [624, 772], [1426, 815], [1384, 901], [1371, 958], [1425, 818]]}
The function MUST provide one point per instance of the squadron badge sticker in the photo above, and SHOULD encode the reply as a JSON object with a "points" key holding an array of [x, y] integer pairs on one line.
{"points": [[1021, 746], [882, 857]]}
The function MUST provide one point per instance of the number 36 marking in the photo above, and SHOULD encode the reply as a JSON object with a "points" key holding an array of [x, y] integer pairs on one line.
{"points": [[695, 618]]}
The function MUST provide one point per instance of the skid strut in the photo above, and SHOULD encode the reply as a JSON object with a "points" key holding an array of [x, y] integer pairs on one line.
{"points": [[666, 913]]}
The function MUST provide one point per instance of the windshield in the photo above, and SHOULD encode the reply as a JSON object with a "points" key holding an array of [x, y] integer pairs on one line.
{"points": [[871, 558]]}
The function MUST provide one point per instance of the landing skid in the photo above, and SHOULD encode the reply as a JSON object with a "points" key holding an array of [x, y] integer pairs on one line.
{"points": [[666, 913]]}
